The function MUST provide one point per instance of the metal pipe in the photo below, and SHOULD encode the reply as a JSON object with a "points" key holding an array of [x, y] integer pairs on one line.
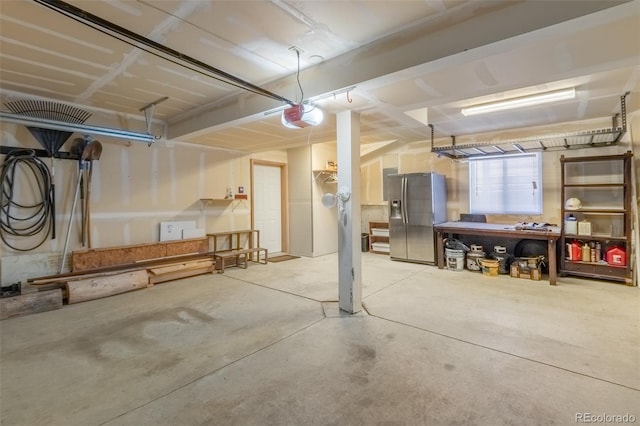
{"points": [[73, 127]]}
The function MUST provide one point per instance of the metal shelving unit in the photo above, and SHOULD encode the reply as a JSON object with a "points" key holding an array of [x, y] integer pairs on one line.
{"points": [[575, 140]]}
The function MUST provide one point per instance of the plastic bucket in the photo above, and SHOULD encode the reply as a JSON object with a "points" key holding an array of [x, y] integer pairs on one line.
{"points": [[455, 259], [489, 267]]}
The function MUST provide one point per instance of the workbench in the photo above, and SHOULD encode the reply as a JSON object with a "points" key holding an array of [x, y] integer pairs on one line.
{"points": [[550, 233]]}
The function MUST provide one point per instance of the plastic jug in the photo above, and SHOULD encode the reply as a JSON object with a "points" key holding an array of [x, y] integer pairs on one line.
{"points": [[616, 256], [586, 253], [584, 227], [574, 251], [571, 225]]}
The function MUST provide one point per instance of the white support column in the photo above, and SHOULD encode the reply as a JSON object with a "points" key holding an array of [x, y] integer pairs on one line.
{"points": [[349, 262]]}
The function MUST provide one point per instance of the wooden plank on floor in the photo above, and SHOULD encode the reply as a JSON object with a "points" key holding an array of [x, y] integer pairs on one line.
{"points": [[181, 266], [68, 277], [179, 274], [30, 303], [120, 268], [98, 287], [110, 256]]}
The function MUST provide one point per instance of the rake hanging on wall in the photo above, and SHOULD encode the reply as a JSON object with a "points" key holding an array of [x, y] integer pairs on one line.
{"points": [[51, 140]]}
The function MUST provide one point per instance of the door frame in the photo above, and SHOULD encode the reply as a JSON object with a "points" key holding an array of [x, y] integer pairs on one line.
{"points": [[284, 217]]}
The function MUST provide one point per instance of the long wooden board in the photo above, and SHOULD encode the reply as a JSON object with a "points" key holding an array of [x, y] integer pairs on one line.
{"points": [[181, 270], [181, 266], [98, 287], [111, 256], [108, 270], [30, 303]]}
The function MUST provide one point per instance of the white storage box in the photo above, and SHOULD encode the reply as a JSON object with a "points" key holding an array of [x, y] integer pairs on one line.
{"points": [[380, 232], [383, 247]]}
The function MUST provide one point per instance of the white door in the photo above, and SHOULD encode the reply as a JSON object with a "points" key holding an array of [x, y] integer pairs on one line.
{"points": [[267, 207]]}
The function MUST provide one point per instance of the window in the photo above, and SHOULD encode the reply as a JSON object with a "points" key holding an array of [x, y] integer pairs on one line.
{"points": [[507, 185]]}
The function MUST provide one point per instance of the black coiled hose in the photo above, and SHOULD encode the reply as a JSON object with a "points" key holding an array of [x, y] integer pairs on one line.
{"points": [[17, 217]]}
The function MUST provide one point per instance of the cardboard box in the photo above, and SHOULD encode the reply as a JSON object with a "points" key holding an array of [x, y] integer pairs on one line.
{"points": [[527, 268]]}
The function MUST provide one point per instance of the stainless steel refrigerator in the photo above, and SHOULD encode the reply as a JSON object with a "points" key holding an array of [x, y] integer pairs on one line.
{"points": [[417, 201]]}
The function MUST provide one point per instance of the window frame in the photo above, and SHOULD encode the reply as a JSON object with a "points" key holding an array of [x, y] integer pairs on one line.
{"points": [[506, 208]]}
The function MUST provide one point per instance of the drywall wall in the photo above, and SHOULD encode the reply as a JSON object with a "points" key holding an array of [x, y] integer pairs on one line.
{"points": [[300, 208], [325, 224], [313, 227], [134, 187]]}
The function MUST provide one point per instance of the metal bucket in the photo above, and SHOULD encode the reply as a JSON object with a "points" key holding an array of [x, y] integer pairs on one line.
{"points": [[504, 259], [474, 257]]}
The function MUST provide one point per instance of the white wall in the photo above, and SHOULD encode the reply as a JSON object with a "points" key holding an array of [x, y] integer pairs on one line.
{"points": [[313, 227], [325, 224], [134, 188], [300, 206]]}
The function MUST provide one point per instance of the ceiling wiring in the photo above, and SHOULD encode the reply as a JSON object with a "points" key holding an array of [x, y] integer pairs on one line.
{"points": [[298, 73]]}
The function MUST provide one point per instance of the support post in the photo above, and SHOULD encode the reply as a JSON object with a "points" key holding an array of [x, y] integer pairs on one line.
{"points": [[349, 256]]}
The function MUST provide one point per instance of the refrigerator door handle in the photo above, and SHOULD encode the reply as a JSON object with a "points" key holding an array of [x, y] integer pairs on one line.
{"points": [[405, 216]]}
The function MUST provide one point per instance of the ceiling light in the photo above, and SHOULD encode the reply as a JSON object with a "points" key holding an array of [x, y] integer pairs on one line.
{"points": [[316, 59], [537, 99], [299, 116]]}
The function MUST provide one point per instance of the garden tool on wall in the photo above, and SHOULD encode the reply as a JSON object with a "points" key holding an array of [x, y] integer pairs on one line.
{"points": [[51, 140], [77, 147], [91, 151], [87, 150]]}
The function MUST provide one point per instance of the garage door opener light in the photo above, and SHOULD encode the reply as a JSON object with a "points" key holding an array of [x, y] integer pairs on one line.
{"points": [[299, 115]]}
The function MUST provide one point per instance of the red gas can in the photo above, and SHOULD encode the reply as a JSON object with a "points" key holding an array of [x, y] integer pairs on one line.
{"points": [[574, 251], [616, 256]]}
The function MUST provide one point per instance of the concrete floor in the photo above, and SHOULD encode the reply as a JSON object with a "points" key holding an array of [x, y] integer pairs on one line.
{"points": [[268, 346]]}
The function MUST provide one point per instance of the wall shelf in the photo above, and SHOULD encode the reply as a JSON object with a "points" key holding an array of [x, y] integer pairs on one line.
{"points": [[325, 176], [204, 202], [379, 240], [575, 140]]}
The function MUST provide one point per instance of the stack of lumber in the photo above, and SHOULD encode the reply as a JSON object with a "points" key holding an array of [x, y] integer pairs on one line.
{"points": [[105, 272], [82, 260]]}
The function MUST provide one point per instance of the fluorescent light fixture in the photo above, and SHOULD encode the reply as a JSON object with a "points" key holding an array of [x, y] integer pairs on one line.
{"points": [[537, 99]]}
